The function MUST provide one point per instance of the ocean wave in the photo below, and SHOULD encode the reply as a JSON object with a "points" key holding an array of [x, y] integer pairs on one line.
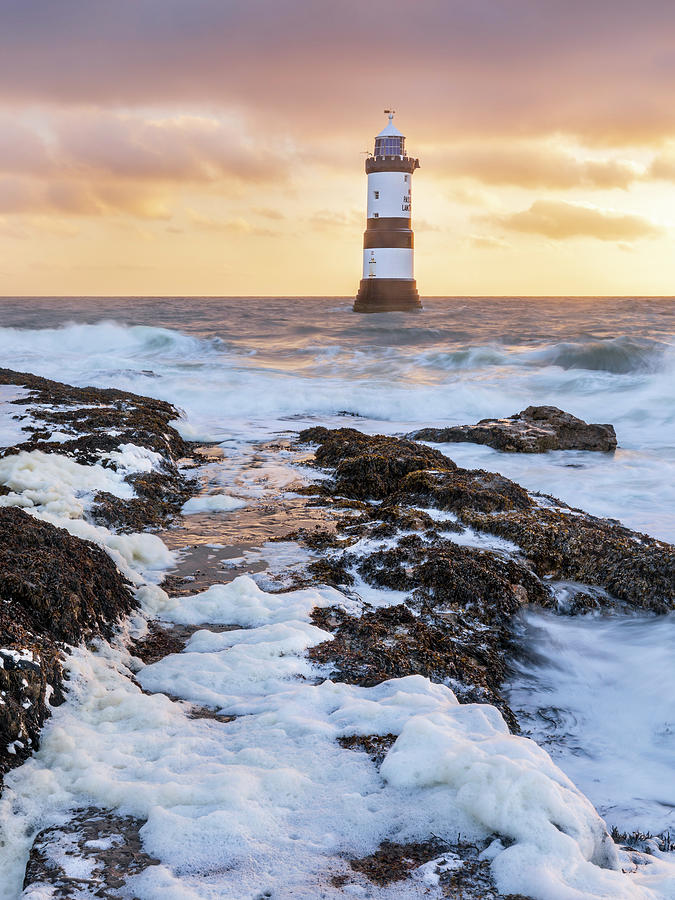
{"points": [[105, 337], [620, 355]]}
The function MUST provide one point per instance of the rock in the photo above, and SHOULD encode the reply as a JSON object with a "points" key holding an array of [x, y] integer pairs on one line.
{"points": [[459, 869], [92, 855], [68, 587], [54, 589], [455, 624], [100, 421], [534, 430], [393, 862], [566, 544], [370, 466], [557, 540]]}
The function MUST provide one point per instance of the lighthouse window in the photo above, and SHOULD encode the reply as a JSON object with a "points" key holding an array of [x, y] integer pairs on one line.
{"points": [[389, 146], [405, 177], [376, 215], [377, 195]]}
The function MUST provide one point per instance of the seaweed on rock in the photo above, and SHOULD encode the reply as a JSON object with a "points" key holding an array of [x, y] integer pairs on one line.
{"points": [[95, 422], [54, 589], [455, 625]]}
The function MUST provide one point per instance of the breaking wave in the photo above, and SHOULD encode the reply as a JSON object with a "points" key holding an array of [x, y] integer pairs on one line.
{"points": [[105, 337], [621, 355]]}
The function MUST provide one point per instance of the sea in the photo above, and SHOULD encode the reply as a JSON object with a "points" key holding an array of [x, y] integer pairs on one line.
{"points": [[253, 367], [596, 691]]}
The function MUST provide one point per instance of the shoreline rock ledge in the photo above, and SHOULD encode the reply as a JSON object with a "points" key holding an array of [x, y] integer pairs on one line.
{"points": [[533, 430]]}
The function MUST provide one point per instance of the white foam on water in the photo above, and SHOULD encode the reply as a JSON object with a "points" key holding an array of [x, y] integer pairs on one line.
{"points": [[130, 459], [59, 490], [597, 692], [142, 557], [56, 484], [212, 503], [377, 597], [270, 799], [469, 537], [59, 437], [13, 415]]}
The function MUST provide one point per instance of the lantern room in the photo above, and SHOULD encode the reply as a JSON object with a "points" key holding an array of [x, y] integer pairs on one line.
{"points": [[390, 141]]}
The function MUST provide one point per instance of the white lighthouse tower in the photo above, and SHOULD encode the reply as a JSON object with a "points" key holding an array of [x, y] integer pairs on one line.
{"points": [[388, 281]]}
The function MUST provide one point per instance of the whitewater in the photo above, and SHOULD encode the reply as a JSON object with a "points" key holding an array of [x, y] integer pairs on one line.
{"points": [[595, 692]]}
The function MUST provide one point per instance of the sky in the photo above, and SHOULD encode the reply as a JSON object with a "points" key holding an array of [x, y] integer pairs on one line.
{"points": [[209, 147]]}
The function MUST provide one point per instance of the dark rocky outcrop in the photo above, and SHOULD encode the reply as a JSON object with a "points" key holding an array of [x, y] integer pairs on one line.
{"points": [[455, 624], [370, 467], [555, 540], [54, 589], [101, 421], [563, 543], [534, 430]]}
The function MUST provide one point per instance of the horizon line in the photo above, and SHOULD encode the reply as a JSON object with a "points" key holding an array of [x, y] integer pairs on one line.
{"points": [[331, 297]]}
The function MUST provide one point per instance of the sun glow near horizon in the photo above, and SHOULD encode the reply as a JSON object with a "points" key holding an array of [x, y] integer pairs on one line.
{"points": [[546, 145]]}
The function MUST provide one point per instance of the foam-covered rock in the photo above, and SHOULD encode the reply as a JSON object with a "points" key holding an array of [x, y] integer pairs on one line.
{"points": [[126, 434], [54, 588]]}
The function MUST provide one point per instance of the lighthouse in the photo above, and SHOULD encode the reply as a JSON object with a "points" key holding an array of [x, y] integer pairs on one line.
{"points": [[388, 281]]}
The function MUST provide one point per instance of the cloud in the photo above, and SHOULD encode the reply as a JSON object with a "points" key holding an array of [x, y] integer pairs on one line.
{"points": [[99, 162], [189, 148], [662, 167], [328, 219], [174, 148], [469, 195], [534, 166], [425, 225], [22, 149], [560, 220], [26, 195], [231, 226], [268, 213], [487, 242], [28, 227], [597, 69]]}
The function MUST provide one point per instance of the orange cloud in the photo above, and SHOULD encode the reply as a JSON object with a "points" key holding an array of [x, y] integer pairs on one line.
{"points": [[532, 166], [487, 242], [239, 225], [329, 219], [247, 119], [662, 167], [66, 196], [175, 148], [99, 162], [560, 220]]}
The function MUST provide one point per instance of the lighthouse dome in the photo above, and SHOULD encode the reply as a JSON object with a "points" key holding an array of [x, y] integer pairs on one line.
{"points": [[390, 141]]}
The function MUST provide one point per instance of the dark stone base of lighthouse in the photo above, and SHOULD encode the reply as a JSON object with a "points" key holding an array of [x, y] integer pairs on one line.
{"points": [[387, 295]]}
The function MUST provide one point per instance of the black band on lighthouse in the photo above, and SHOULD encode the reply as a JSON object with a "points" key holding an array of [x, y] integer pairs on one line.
{"points": [[386, 295], [387, 223], [391, 164], [399, 238]]}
